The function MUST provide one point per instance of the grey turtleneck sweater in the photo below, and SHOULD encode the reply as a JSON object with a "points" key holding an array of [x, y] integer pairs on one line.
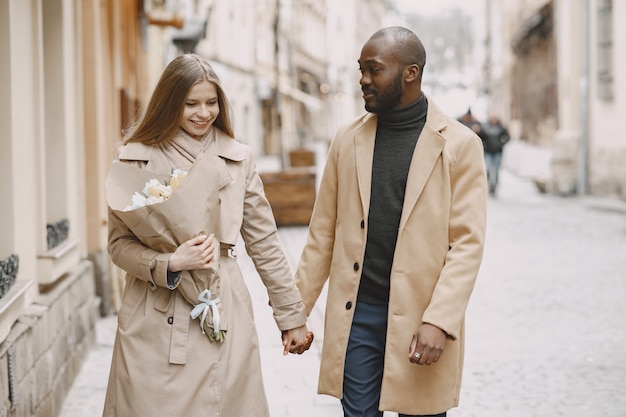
{"points": [[396, 136]]}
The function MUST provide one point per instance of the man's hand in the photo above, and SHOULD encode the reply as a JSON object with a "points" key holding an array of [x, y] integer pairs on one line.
{"points": [[297, 340], [427, 345]]}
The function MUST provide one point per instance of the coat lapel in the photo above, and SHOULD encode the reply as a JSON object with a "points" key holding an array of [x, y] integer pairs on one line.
{"points": [[427, 151], [364, 140], [227, 148]]}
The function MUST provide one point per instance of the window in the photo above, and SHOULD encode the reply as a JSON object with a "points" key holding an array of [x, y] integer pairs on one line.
{"points": [[59, 251]]}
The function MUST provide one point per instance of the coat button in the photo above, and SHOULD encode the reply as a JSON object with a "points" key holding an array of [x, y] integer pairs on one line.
{"points": [[356, 266], [170, 320], [362, 224], [348, 305]]}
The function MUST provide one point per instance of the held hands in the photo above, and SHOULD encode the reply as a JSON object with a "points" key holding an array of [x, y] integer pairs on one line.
{"points": [[196, 253], [427, 345], [297, 340]]}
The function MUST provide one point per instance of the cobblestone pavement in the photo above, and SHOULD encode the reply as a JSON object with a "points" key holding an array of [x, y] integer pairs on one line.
{"points": [[545, 327], [546, 323]]}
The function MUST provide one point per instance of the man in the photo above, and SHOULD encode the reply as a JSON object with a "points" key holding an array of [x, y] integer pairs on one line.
{"points": [[397, 230], [494, 136], [470, 121]]}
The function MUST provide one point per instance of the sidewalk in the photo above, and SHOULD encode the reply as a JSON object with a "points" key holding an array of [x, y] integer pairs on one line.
{"points": [[531, 163], [290, 382]]}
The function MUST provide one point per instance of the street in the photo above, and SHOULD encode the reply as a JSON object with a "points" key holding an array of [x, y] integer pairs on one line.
{"points": [[545, 325]]}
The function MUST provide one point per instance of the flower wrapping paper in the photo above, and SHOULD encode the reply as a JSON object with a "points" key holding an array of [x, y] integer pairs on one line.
{"points": [[191, 210]]}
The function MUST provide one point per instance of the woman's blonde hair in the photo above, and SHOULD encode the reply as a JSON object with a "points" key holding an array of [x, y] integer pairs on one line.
{"points": [[160, 120]]}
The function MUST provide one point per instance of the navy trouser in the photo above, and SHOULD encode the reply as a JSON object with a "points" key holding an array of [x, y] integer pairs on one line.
{"points": [[492, 164], [363, 371]]}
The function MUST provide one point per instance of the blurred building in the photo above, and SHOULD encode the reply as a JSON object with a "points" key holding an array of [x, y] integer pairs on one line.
{"points": [[452, 75], [289, 67], [290, 70], [592, 97], [270, 56], [73, 76], [553, 75]]}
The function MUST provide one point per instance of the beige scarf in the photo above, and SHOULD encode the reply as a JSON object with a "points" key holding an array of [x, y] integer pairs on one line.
{"points": [[182, 150]]}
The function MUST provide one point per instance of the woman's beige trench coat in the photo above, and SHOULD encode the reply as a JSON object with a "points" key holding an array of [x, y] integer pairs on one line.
{"points": [[438, 253], [162, 363]]}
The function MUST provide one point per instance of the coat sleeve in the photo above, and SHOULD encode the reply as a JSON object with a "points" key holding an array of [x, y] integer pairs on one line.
{"points": [[132, 256], [467, 223], [260, 236], [128, 253], [315, 262]]}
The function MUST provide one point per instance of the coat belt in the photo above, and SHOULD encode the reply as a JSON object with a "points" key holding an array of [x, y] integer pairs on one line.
{"points": [[227, 250]]}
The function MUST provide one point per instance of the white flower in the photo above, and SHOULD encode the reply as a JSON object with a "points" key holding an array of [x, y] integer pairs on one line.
{"points": [[137, 201], [155, 199], [156, 189], [155, 192], [177, 178]]}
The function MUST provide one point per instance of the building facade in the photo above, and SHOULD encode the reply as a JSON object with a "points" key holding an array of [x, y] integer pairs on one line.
{"points": [[591, 146], [558, 83], [72, 75]]}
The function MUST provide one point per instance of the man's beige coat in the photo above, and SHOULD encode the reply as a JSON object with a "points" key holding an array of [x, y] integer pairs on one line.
{"points": [[438, 253], [162, 363]]}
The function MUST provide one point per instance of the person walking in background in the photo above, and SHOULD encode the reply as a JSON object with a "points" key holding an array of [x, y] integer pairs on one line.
{"points": [[163, 362], [397, 231], [470, 121], [495, 136]]}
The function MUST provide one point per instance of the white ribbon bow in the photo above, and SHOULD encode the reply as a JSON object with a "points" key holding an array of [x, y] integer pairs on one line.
{"points": [[203, 307]]}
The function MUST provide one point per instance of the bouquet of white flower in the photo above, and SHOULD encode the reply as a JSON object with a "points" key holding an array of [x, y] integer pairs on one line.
{"points": [[154, 192], [175, 207]]}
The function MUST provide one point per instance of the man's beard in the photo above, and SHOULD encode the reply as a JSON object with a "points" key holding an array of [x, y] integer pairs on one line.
{"points": [[388, 100]]}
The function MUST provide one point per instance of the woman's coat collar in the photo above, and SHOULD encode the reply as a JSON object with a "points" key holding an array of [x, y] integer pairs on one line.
{"points": [[226, 147]]}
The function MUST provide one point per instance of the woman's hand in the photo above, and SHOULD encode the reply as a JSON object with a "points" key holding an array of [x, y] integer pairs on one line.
{"points": [[196, 253], [297, 340]]}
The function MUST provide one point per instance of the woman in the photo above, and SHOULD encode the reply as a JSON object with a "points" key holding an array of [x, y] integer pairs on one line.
{"points": [[163, 362]]}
